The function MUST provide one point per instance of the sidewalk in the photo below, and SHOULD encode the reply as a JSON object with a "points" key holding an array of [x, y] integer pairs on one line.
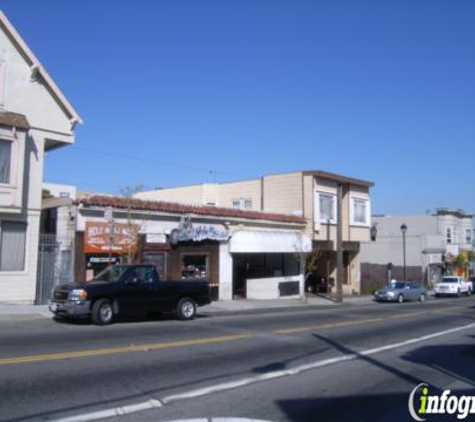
{"points": [[10, 312]]}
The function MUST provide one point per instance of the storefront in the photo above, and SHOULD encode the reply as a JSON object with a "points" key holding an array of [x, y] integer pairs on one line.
{"points": [[241, 254]]}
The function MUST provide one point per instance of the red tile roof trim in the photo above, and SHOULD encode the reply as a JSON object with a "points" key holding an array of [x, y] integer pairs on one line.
{"points": [[173, 208]]}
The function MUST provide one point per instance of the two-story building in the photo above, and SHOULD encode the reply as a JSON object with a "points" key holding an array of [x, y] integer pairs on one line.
{"points": [[308, 194], [35, 118], [430, 244]]}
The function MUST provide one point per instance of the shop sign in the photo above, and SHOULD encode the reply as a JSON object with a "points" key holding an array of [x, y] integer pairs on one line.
{"points": [[103, 260], [117, 238], [187, 232], [155, 238]]}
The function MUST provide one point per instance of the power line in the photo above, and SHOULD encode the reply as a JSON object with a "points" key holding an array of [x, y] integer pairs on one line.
{"points": [[153, 161]]}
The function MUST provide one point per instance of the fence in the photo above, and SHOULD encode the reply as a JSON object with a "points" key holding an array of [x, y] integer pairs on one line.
{"points": [[55, 265]]}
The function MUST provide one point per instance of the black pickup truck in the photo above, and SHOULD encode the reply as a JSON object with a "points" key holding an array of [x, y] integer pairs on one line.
{"points": [[128, 290]]}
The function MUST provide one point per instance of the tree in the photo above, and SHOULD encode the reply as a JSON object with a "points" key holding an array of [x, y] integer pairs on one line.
{"points": [[461, 262], [134, 249]]}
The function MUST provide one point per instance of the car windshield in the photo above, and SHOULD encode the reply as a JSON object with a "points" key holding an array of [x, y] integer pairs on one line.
{"points": [[450, 280], [399, 285], [111, 274]]}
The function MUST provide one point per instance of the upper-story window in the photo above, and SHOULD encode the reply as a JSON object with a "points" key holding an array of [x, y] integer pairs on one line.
{"points": [[5, 160], [242, 204], [359, 212], [448, 235], [327, 205], [468, 236]]}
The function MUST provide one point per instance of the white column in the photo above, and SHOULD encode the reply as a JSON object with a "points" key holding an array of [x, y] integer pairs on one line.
{"points": [[225, 272]]}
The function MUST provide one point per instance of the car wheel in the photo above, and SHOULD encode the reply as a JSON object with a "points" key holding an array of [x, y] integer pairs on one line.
{"points": [[422, 297], [186, 309], [400, 298], [102, 312]]}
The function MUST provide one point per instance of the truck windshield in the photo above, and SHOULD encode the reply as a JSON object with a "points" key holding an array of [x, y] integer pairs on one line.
{"points": [[111, 274], [450, 280]]}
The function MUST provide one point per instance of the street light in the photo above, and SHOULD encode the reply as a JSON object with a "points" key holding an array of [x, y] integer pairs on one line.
{"points": [[403, 231]]}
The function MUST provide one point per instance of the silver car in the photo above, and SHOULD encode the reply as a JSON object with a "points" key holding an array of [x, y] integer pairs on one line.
{"points": [[400, 292]]}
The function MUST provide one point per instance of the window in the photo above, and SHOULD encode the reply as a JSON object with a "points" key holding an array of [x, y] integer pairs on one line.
{"points": [[327, 203], [360, 211], [194, 267], [159, 259], [242, 204], [468, 236], [448, 235], [5, 160], [141, 275], [12, 246]]}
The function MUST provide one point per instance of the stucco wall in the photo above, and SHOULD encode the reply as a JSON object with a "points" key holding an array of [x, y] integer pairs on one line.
{"points": [[283, 193], [20, 286], [31, 98], [185, 195], [247, 189]]}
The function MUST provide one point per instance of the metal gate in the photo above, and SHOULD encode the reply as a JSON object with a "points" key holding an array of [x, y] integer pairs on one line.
{"points": [[55, 266]]}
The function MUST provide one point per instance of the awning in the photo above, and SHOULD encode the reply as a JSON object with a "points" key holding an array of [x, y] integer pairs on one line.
{"points": [[269, 242]]}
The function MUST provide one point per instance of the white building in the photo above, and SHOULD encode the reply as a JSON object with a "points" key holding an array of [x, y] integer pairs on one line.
{"points": [[35, 117], [430, 242]]}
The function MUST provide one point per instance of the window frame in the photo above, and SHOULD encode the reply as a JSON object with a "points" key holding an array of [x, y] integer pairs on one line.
{"points": [[12, 152], [333, 218], [353, 201], [25, 268], [242, 203], [449, 230], [206, 255]]}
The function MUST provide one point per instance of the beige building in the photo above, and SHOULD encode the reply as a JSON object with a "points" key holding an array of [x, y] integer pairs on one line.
{"points": [[309, 194]]}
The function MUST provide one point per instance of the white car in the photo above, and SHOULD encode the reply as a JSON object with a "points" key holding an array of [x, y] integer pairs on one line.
{"points": [[453, 286]]}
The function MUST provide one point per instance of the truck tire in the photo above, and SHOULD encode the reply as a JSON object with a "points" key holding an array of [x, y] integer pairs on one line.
{"points": [[102, 312], [186, 309]]}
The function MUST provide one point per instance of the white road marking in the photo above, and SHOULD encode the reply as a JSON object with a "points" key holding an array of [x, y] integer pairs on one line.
{"points": [[109, 413], [303, 368], [153, 404]]}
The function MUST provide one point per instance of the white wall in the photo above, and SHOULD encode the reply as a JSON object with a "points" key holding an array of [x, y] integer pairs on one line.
{"points": [[268, 288], [50, 124]]}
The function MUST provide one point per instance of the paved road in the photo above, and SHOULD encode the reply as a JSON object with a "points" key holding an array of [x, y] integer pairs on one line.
{"points": [[295, 366]]}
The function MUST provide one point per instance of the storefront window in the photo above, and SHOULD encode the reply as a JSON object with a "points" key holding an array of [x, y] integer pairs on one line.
{"points": [[159, 259], [194, 267]]}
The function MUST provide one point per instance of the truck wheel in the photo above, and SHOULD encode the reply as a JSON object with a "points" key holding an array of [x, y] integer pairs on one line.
{"points": [[186, 309], [400, 298], [102, 312]]}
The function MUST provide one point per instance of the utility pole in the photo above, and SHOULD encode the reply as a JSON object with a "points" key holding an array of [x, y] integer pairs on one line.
{"points": [[339, 245]]}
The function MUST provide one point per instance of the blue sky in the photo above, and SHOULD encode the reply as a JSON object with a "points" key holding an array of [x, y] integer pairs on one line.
{"points": [[379, 90]]}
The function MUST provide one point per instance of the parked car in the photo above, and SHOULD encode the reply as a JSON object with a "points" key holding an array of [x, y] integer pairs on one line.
{"points": [[400, 292], [453, 286], [128, 290]]}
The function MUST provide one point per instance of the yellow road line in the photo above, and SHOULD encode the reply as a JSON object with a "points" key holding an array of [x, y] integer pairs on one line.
{"points": [[117, 350], [322, 326], [408, 314], [353, 322]]}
